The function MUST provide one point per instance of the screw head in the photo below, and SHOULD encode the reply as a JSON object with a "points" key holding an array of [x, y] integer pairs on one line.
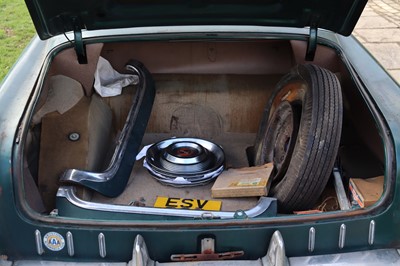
{"points": [[74, 136]]}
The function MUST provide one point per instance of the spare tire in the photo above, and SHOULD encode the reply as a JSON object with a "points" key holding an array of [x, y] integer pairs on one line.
{"points": [[300, 133]]}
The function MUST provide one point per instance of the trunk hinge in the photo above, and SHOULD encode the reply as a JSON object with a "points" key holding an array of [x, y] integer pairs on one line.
{"points": [[80, 47], [312, 42]]}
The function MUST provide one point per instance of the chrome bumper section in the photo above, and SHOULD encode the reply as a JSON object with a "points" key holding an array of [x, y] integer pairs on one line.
{"points": [[264, 208], [275, 257], [113, 180]]}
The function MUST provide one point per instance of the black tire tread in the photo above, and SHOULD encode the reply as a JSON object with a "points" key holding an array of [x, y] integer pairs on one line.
{"points": [[320, 127], [317, 167]]}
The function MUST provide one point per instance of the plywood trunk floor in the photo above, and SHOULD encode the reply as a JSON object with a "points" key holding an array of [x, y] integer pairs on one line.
{"points": [[142, 187]]}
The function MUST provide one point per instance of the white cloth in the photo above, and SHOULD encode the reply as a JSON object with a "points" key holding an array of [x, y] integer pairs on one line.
{"points": [[108, 82]]}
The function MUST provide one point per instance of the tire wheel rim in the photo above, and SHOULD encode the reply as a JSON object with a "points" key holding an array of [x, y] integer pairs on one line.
{"points": [[280, 138]]}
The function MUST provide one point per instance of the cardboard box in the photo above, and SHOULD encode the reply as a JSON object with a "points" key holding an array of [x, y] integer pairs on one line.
{"points": [[242, 182], [366, 191]]}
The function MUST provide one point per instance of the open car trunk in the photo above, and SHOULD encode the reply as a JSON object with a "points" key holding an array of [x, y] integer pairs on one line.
{"points": [[210, 90]]}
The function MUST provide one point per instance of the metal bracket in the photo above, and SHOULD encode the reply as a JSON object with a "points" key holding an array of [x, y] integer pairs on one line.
{"points": [[240, 214], [340, 191], [275, 256], [207, 253], [312, 42], [80, 47]]}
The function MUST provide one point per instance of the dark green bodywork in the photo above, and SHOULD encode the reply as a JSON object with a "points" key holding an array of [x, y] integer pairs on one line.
{"points": [[18, 223], [54, 17]]}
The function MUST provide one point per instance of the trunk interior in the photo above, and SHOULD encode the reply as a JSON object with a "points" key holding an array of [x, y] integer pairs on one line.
{"points": [[212, 90]]}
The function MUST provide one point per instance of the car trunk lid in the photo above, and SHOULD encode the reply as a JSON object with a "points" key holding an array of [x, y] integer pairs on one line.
{"points": [[52, 18]]}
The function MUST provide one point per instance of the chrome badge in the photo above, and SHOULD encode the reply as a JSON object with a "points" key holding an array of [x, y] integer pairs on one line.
{"points": [[54, 241]]}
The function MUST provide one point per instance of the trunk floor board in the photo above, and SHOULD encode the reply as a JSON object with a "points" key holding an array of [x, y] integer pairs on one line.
{"points": [[142, 187]]}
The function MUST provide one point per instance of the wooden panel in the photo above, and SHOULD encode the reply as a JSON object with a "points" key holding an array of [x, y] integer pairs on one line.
{"points": [[206, 105]]}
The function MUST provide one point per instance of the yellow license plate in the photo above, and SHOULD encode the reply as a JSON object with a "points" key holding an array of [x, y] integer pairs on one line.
{"points": [[192, 204]]}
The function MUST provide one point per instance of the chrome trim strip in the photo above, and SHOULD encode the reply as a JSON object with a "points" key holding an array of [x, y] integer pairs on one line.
{"points": [[102, 245], [68, 192], [39, 243], [311, 239], [70, 244], [340, 191], [342, 236], [371, 235]]}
